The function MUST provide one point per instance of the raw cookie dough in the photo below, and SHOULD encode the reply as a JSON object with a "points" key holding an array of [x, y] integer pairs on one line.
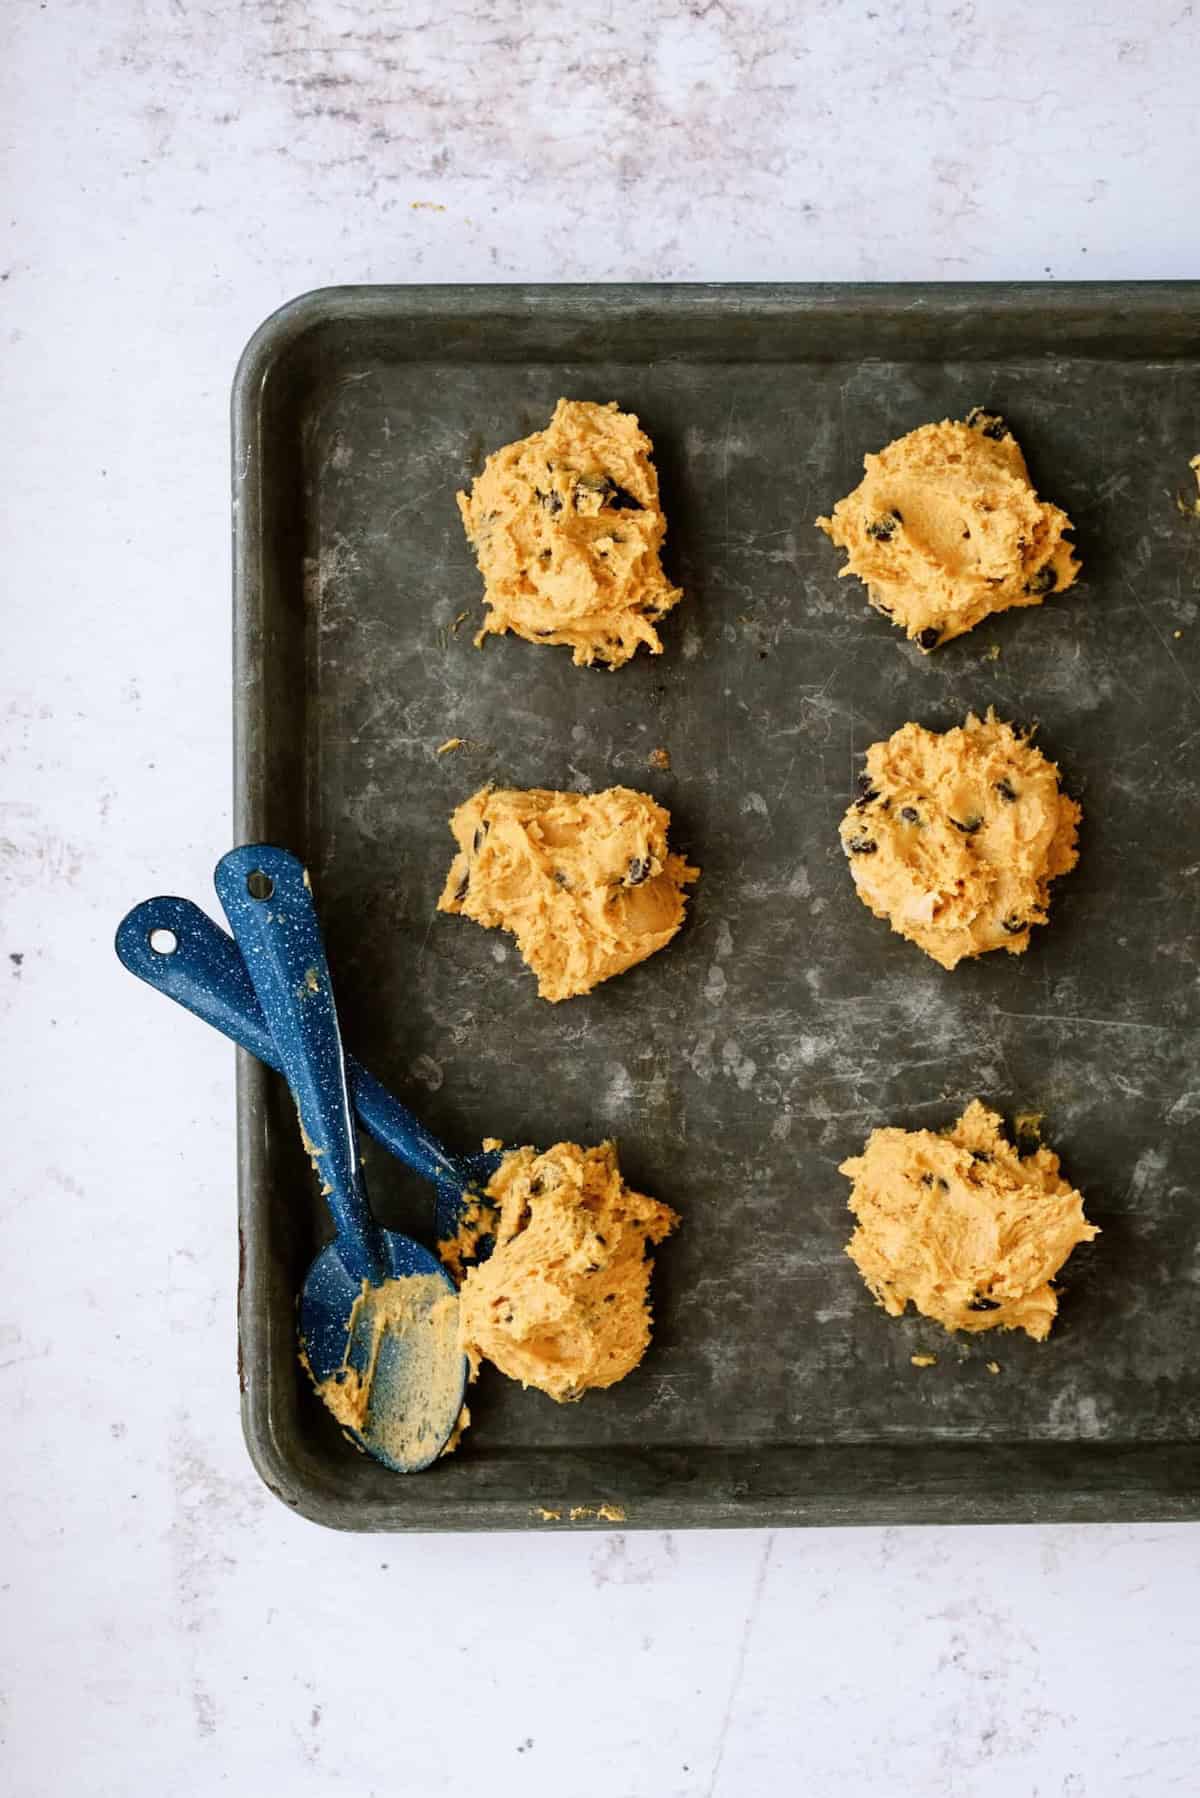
{"points": [[946, 528], [956, 837], [422, 1309], [562, 1303], [584, 881], [962, 1225], [566, 527]]}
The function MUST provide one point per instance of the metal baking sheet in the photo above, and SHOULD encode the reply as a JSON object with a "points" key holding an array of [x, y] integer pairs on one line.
{"points": [[739, 1067]]}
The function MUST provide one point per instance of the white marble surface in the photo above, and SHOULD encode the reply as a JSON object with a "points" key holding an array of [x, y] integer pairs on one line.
{"points": [[173, 171]]}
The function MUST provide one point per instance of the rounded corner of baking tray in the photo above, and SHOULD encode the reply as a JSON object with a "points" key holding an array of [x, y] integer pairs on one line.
{"points": [[270, 1461], [270, 341]]}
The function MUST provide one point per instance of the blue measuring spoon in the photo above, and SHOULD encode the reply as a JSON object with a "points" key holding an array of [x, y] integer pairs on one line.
{"points": [[404, 1360], [178, 950]]}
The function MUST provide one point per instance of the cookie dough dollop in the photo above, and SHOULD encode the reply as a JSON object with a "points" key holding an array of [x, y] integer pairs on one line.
{"points": [[946, 529], [562, 1303], [567, 529], [584, 881], [957, 835], [963, 1226]]}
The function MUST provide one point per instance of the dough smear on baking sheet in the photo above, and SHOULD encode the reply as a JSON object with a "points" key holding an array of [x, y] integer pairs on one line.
{"points": [[957, 835], [562, 1302], [567, 530], [962, 1225], [586, 882], [945, 528]]}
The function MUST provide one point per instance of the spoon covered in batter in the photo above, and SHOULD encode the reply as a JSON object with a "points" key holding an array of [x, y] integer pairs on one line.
{"points": [[379, 1319]]}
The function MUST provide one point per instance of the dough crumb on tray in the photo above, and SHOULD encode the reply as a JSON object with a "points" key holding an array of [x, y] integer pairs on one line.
{"points": [[562, 1302], [957, 835], [567, 530], [1191, 507], [586, 882], [962, 1226], [946, 529]]}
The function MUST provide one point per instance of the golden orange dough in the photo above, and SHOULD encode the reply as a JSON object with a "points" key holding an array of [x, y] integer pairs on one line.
{"points": [[562, 1303], [946, 529], [962, 1226], [584, 881], [957, 836], [567, 530]]}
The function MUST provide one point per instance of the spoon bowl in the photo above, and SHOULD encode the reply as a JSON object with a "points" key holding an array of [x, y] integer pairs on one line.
{"points": [[394, 1381]]}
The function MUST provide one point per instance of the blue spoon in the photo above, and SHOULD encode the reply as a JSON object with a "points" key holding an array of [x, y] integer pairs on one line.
{"points": [[385, 1357], [178, 950]]}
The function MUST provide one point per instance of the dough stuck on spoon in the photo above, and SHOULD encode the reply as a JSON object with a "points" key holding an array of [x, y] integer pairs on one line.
{"points": [[945, 529], [963, 1226], [584, 881], [957, 835], [421, 1312], [567, 530], [562, 1303]]}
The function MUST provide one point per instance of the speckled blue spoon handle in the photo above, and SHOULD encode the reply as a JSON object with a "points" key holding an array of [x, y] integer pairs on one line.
{"points": [[176, 948], [267, 900]]}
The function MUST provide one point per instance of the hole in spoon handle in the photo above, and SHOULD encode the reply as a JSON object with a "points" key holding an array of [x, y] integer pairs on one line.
{"points": [[177, 949]]}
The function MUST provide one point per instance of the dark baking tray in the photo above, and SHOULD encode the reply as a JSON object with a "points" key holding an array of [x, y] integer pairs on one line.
{"points": [[738, 1068]]}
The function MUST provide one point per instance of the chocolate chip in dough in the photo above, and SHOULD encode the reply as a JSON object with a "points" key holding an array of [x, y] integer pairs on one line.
{"points": [[884, 529], [989, 424], [612, 498]]}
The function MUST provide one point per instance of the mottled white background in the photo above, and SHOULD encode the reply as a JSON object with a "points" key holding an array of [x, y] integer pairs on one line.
{"points": [[173, 170]]}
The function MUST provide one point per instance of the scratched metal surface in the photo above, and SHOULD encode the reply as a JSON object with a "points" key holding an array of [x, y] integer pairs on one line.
{"points": [[740, 1066]]}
